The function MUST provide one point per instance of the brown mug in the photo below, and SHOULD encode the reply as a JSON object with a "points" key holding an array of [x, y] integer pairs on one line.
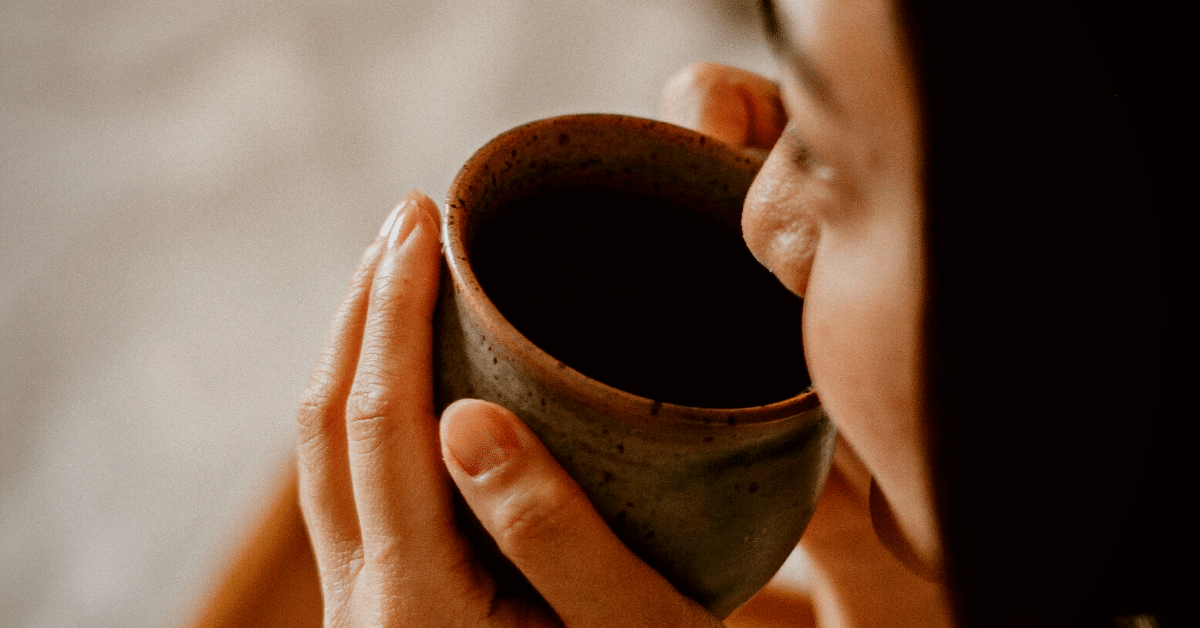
{"points": [[698, 439]]}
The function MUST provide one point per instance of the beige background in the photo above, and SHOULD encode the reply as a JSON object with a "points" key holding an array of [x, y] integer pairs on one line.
{"points": [[184, 190]]}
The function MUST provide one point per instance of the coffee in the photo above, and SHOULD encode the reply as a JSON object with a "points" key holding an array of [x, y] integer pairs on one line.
{"points": [[643, 295]]}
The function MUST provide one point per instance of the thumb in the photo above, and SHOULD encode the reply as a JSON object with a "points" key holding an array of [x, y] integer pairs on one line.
{"points": [[544, 523]]}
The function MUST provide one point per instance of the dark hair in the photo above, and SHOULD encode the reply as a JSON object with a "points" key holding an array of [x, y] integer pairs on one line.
{"points": [[1048, 454]]}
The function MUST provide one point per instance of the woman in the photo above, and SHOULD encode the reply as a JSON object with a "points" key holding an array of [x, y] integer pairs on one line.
{"points": [[842, 213]]}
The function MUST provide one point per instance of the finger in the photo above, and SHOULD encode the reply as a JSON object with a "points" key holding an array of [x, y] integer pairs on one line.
{"points": [[731, 104], [545, 524], [400, 488], [325, 490]]}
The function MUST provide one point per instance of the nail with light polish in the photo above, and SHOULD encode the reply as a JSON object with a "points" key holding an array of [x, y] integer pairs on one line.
{"points": [[406, 220], [391, 219]]}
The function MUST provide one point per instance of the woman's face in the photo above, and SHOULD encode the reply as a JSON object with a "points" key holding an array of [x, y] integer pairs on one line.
{"points": [[836, 215]]}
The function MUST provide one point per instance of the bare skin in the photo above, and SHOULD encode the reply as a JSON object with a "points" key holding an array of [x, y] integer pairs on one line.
{"points": [[856, 580], [841, 226], [375, 480]]}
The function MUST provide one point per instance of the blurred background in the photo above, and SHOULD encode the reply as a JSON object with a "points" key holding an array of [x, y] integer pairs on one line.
{"points": [[185, 188]]}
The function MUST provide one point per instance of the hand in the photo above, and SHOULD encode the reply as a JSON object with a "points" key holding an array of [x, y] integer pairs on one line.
{"points": [[856, 581], [375, 483]]}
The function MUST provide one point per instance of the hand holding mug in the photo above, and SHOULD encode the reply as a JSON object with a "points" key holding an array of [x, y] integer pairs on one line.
{"points": [[378, 473], [376, 482]]}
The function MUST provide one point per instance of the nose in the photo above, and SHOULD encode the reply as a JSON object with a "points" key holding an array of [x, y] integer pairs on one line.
{"points": [[777, 222]]}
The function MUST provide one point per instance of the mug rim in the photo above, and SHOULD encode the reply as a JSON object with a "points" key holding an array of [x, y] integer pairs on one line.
{"points": [[596, 392]]}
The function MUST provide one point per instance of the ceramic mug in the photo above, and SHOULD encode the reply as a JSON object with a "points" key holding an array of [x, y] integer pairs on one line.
{"points": [[714, 498]]}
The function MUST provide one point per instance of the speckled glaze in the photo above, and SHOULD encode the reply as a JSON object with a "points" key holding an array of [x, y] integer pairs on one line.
{"points": [[714, 499]]}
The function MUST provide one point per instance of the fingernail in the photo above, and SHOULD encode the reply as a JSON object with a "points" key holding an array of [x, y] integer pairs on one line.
{"points": [[406, 219], [480, 440], [391, 219]]}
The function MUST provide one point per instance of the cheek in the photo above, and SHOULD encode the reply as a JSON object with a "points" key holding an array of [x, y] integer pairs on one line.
{"points": [[860, 341], [838, 349]]}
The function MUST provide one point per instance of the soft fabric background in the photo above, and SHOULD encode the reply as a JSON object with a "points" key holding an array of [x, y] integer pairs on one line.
{"points": [[185, 188]]}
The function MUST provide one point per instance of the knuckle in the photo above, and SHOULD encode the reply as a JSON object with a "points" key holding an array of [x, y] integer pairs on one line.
{"points": [[371, 392], [538, 518], [702, 73], [317, 408], [368, 431], [701, 78], [370, 412]]}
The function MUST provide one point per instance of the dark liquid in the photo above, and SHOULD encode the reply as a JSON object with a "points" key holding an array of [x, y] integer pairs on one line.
{"points": [[643, 296]]}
